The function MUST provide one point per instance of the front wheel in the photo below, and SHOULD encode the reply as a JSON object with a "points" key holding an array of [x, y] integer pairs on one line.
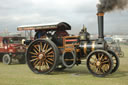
{"points": [[42, 56], [115, 61], [99, 63], [7, 59]]}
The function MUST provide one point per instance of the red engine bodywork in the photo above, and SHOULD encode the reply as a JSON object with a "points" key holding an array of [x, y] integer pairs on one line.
{"points": [[7, 47]]}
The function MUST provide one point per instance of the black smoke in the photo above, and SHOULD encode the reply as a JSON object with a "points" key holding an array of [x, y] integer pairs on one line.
{"points": [[110, 5]]}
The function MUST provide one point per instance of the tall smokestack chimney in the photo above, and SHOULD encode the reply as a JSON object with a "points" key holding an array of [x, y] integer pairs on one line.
{"points": [[100, 16]]}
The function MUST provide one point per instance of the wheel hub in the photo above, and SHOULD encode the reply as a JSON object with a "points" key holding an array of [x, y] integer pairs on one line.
{"points": [[41, 56], [98, 63]]}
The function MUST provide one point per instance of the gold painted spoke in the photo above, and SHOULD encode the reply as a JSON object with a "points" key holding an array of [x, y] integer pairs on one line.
{"points": [[43, 63], [35, 63], [36, 47], [33, 53], [34, 56], [44, 46], [33, 59], [105, 58], [50, 56], [98, 70], [95, 59], [41, 46], [48, 50], [103, 62], [101, 57], [50, 59], [103, 70], [98, 55], [49, 62], [92, 63], [47, 65]]}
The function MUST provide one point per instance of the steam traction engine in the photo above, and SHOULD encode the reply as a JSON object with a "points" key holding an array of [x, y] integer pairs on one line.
{"points": [[54, 49]]}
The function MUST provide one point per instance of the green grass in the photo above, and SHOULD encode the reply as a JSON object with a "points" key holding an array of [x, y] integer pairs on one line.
{"points": [[19, 74]]}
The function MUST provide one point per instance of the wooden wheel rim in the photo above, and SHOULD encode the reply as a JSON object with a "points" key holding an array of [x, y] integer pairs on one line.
{"points": [[41, 56]]}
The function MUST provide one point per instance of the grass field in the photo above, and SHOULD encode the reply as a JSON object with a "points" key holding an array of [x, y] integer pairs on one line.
{"points": [[20, 74]]}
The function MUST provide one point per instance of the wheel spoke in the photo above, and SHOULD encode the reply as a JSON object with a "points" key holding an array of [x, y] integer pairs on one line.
{"points": [[103, 62], [33, 53], [44, 47], [41, 46], [35, 46], [98, 56], [95, 59], [49, 62], [92, 63], [97, 70], [47, 65], [48, 50], [43, 63], [34, 59], [34, 56], [50, 53], [50, 59], [35, 63], [50, 56], [101, 57]]}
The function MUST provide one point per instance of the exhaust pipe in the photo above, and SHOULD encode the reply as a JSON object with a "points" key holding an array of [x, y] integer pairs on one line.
{"points": [[100, 25]]}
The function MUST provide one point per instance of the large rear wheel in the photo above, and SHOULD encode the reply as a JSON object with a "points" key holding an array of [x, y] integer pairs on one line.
{"points": [[42, 56], [99, 63]]}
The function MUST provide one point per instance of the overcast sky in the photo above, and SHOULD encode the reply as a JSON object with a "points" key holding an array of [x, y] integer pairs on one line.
{"points": [[15, 13]]}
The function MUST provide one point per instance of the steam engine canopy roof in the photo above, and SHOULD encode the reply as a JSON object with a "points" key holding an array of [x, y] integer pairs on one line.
{"points": [[48, 27]]}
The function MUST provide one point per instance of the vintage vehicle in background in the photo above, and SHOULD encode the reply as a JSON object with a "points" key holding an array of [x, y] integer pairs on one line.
{"points": [[12, 48], [115, 46], [53, 48]]}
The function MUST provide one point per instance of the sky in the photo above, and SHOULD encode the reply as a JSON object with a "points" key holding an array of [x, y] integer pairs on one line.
{"points": [[14, 13]]}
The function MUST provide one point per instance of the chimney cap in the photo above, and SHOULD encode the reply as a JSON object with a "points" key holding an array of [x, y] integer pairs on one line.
{"points": [[100, 14]]}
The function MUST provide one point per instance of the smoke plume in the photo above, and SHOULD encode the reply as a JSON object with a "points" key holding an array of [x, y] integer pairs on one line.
{"points": [[110, 5]]}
